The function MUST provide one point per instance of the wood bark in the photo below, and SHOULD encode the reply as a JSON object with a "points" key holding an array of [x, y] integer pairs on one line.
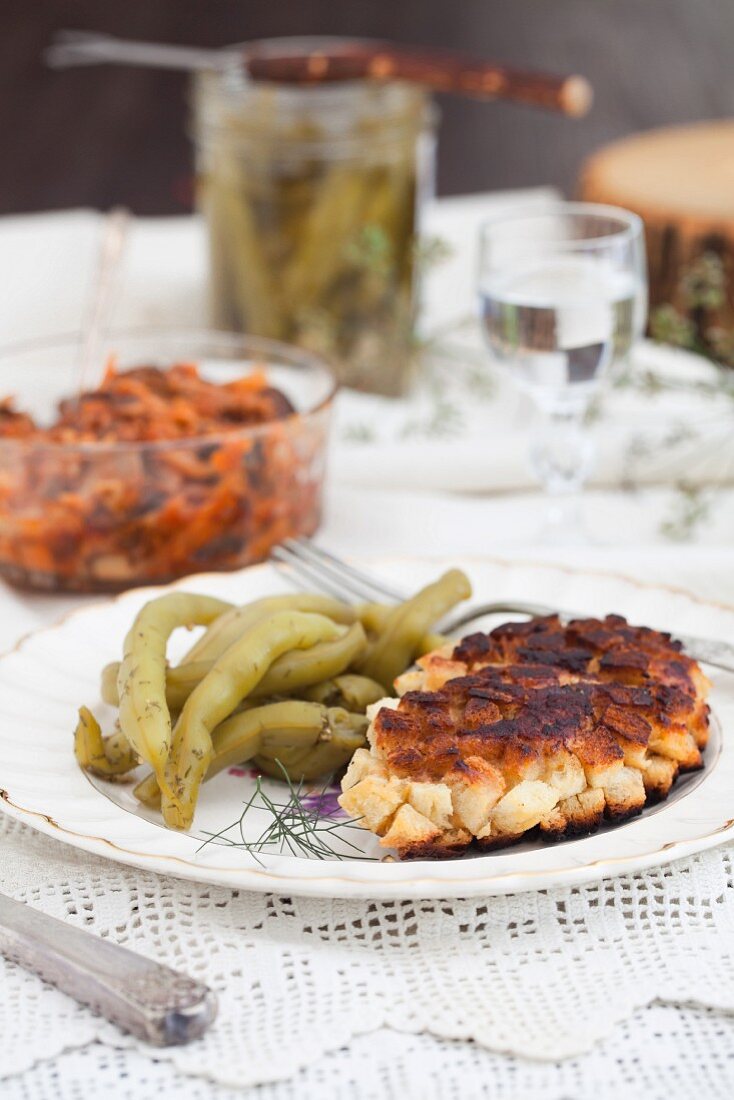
{"points": [[680, 180]]}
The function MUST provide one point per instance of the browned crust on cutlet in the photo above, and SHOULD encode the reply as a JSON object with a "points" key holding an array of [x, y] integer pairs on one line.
{"points": [[433, 850], [493, 844], [539, 727]]}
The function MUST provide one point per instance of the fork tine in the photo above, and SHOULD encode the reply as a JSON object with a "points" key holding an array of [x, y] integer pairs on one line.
{"points": [[327, 578], [301, 573], [364, 585], [284, 568]]}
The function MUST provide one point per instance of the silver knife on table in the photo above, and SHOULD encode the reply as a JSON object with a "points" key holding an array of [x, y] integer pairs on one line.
{"points": [[145, 998]]}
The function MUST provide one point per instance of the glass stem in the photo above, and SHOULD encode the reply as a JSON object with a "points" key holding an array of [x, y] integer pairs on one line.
{"points": [[562, 457]]}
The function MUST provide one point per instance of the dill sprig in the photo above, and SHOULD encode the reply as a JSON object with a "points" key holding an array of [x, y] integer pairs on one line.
{"points": [[693, 508], [290, 827]]}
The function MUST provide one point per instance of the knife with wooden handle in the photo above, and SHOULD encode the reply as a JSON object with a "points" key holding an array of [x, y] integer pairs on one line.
{"points": [[148, 1000]]}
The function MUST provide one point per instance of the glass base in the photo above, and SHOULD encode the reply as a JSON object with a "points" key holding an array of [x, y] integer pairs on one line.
{"points": [[564, 522]]}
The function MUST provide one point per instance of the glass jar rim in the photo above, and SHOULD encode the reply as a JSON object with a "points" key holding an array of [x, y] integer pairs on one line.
{"points": [[401, 110], [237, 78]]}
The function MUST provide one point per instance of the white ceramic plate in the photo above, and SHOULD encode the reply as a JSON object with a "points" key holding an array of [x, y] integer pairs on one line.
{"points": [[51, 672]]}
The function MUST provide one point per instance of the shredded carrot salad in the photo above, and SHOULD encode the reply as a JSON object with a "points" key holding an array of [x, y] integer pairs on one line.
{"points": [[216, 496]]}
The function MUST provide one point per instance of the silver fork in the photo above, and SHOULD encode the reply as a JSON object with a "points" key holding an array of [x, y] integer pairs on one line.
{"points": [[308, 566]]}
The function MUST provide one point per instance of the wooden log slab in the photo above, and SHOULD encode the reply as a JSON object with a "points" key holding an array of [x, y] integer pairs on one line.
{"points": [[680, 180]]}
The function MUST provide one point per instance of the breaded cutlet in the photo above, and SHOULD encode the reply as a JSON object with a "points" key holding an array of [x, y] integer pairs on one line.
{"points": [[535, 725]]}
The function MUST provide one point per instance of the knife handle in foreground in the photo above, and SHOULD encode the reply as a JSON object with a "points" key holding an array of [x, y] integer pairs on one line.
{"points": [[149, 1000]]}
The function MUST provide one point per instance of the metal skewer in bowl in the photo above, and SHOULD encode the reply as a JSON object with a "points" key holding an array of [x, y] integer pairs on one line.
{"points": [[103, 296]]}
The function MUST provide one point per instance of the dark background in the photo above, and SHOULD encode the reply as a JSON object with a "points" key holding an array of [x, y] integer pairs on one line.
{"points": [[98, 136]]}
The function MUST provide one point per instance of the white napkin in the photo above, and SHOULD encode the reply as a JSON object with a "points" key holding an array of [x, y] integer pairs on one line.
{"points": [[464, 439], [386, 521], [46, 265]]}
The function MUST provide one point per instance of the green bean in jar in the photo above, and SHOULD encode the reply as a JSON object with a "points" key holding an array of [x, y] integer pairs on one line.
{"points": [[311, 198]]}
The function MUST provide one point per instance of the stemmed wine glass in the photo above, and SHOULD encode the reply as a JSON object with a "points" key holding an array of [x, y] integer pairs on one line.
{"points": [[563, 298]]}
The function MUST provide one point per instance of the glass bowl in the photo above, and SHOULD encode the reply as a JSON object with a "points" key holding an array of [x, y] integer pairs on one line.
{"points": [[100, 516]]}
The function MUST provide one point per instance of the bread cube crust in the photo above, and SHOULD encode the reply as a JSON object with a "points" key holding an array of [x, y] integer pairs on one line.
{"points": [[535, 726]]}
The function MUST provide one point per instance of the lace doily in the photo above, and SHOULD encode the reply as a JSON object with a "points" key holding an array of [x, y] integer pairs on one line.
{"points": [[662, 1053], [541, 976]]}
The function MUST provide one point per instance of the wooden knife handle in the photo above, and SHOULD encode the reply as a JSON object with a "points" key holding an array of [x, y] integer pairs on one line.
{"points": [[439, 70]]}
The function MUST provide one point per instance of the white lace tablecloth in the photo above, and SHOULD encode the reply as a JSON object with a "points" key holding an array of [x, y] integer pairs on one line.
{"points": [[543, 976], [621, 988]]}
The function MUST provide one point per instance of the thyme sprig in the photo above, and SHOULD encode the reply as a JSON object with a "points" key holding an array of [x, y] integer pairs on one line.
{"points": [[290, 827]]}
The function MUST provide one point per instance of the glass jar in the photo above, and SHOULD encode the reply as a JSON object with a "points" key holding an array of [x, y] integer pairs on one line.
{"points": [[312, 198]]}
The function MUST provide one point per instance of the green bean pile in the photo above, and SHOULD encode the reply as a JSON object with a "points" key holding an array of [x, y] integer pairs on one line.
{"points": [[283, 682]]}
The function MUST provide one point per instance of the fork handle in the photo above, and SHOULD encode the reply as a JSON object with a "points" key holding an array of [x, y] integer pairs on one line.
{"points": [[512, 607], [149, 1000], [708, 650]]}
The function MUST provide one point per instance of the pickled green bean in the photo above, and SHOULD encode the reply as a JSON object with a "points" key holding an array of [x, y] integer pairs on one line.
{"points": [[108, 686], [145, 719], [335, 748], [398, 645], [225, 630], [106, 757], [180, 682], [148, 792], [290, 673], [233, 677], [353, 693], [375, 616], [239, 738], [430, 642], [327, 230], [257, 293], [268, 729], [300, 668], [291, 729]]}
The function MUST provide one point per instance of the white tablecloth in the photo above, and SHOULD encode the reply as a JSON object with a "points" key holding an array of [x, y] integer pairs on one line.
{"points": [[383, 498]]}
